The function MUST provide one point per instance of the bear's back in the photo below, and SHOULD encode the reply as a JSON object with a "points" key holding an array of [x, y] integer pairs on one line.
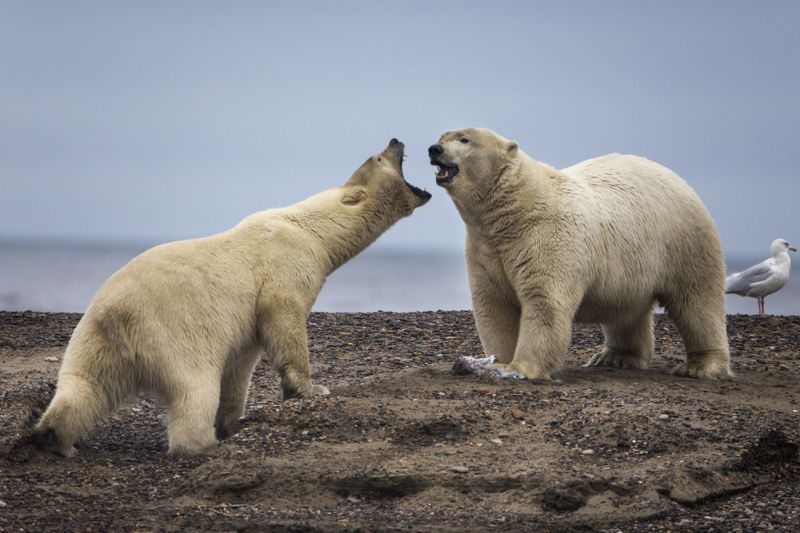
{"points": [[643, 215], [633, 189]]}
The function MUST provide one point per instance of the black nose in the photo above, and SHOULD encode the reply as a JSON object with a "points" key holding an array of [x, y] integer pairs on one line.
{"points": [[393, 142], [435, 149]]}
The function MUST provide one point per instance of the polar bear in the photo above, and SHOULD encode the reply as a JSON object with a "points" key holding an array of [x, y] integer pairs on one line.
{"points": [[600, 241], [186, 321]]}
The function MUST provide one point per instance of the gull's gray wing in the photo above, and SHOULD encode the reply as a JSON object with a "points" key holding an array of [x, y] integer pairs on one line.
{"points": [[742, 281]]}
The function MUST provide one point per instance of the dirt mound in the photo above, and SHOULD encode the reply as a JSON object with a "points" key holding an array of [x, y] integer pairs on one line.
{"points": [[773, 448]]}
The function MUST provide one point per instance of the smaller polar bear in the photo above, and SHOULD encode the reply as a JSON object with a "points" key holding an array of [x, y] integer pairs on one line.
{"points": [[600, 241], [187, 320]]}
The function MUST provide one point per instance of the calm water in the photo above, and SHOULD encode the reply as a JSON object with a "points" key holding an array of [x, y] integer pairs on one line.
{"points": [[64, 277]]}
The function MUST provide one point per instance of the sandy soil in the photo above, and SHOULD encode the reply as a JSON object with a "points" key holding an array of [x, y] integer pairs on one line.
{"points": [[404, 444]]}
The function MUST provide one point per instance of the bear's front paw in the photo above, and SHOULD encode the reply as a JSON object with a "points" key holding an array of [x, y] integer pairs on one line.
{"points": [[305, 392], [224, 429]]}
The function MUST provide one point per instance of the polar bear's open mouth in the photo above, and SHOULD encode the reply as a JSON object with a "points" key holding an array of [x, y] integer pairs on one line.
{"points": [[445, 173], [419, 193], [399, 152]]}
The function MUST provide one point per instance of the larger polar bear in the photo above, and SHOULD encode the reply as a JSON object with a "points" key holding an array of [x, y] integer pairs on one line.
{"points": [[600, 241], [187, 320]]}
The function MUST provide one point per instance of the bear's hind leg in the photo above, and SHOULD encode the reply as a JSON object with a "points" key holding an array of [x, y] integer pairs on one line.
{"points": [[700, 319], [192, 406], [76, 407], [233, 392], [628, 344], [95, 378]]}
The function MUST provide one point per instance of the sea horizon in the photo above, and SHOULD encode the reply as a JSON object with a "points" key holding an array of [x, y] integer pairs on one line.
{"points": [[62, 275]]}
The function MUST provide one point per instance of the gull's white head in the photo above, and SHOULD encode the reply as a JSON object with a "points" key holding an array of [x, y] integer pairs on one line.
{"points": [[781, 246]]}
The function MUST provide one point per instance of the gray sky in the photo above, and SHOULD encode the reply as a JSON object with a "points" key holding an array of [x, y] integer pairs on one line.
{"points": [[155, 121]]}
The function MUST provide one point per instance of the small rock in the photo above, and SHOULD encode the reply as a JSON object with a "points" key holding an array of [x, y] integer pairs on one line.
{"points": [[2, 504], [52, 359], [499, 442], [353, 499], [460, 469], [663, 416], [518, 414], [588, 451]]}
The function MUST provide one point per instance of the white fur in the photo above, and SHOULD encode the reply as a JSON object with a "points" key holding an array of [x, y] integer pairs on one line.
{"points": [[187, 320], [600, 241]]}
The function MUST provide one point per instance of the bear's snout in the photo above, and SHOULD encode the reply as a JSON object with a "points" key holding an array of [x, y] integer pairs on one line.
{"points": [[435, 150], [395, 145]]}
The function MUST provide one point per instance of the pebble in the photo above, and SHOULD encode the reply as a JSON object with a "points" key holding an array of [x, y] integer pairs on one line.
{"points": [[460, 469], [588, 451], [2, 504], [499, 442], [52, 359], [663, 416]]}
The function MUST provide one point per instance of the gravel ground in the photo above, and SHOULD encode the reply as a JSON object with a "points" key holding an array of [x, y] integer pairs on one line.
{"points": [[404, 444]]}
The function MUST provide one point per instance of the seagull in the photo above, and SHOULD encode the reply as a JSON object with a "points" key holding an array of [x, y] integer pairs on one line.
{"points": [[763, 279]]}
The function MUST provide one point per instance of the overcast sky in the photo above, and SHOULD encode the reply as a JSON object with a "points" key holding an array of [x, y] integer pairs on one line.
{"points": [[153, 121]]}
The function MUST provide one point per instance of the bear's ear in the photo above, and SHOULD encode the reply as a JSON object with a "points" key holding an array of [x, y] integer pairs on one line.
{"points": [[511, 147], [354, 196]]}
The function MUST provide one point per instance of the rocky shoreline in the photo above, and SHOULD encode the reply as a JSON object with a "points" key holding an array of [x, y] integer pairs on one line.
{"points": [[404, 444]]}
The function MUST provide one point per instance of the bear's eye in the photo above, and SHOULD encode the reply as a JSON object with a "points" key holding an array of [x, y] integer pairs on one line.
{"points": [[464, 140], [379, 159]]}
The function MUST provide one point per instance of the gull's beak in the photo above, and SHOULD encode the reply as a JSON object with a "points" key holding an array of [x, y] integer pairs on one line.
{"points": [[792, 249]]}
